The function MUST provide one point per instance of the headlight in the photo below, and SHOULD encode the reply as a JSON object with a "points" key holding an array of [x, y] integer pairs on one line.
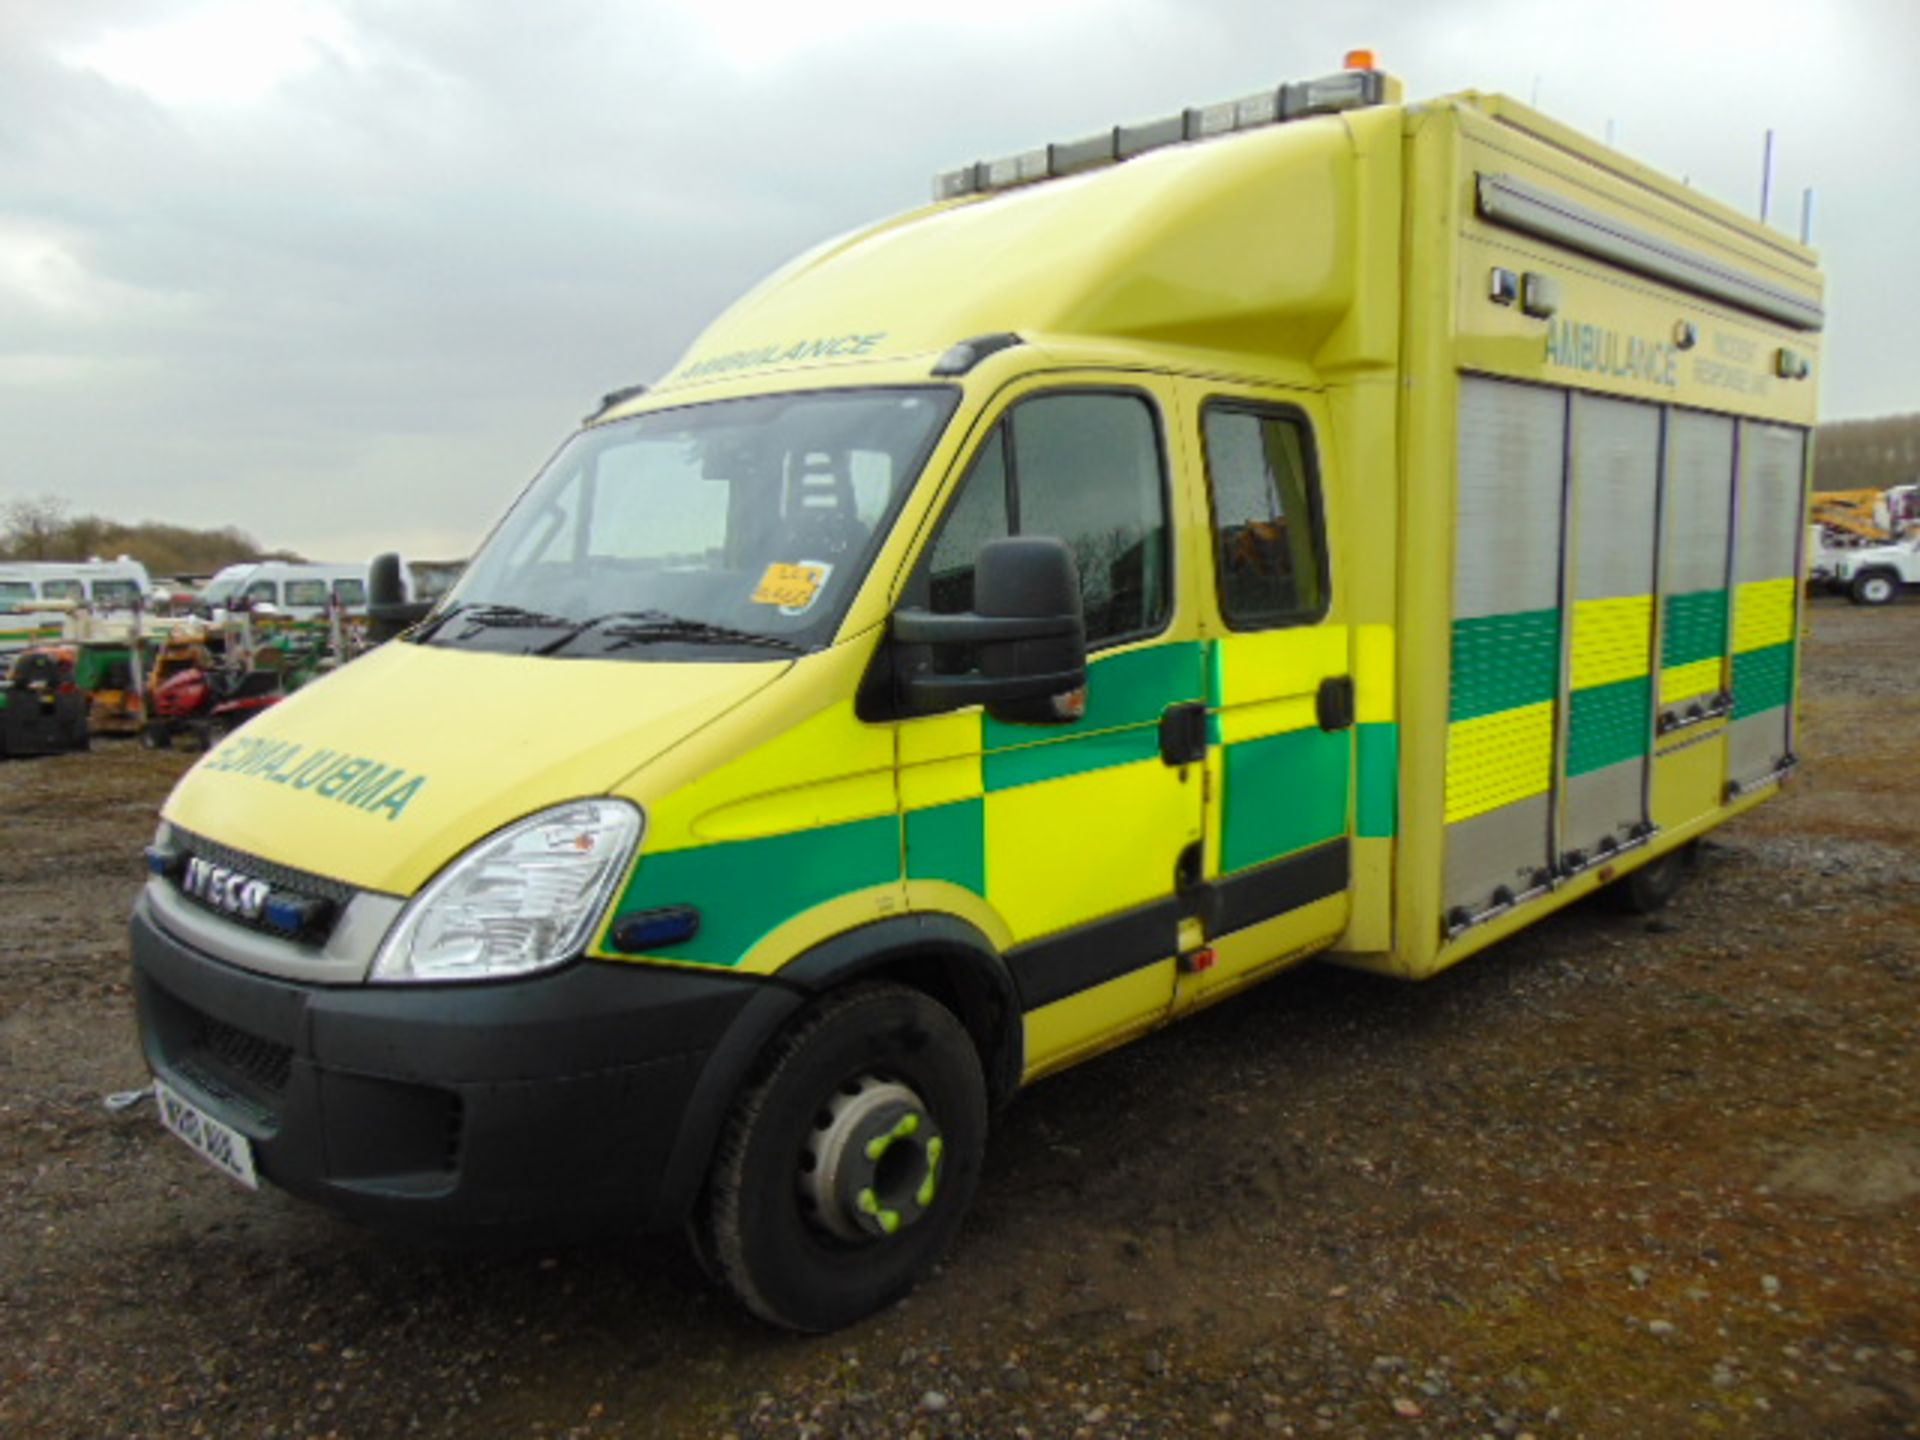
{"points": [[523, 899]]}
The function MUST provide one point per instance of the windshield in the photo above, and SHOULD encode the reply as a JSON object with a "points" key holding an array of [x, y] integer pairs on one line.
{"points": [[222, 587], [732, 530]]}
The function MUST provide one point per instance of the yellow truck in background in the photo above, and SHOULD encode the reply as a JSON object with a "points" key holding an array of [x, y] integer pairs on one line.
{"points": [[1311, 525]]}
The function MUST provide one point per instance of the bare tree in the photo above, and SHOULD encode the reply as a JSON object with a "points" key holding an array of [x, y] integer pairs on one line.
{"points": [[34, 529], [1867, 454]]}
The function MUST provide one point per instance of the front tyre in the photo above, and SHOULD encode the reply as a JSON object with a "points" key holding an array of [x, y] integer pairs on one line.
{"points": [[848, 1161], [1874, 588]]}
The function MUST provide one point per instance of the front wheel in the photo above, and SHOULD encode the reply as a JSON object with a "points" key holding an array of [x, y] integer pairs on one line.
{"points": [[848, 1162], [1877, 588]]}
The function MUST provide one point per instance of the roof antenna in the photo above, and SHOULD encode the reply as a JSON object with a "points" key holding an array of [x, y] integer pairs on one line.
{"points": [[1806, 216]]}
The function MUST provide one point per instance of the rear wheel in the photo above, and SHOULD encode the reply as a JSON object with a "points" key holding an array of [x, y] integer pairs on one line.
{"points": [[1874, 588], [848, 1162], [1655, 883]]}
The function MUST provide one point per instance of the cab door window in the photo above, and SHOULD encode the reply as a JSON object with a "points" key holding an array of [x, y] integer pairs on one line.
{"points": [[262, 590], [1082, 466]]}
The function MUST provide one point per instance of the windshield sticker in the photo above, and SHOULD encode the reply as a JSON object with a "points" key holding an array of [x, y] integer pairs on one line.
{"points": [[356, 780], [791, 587], [820, 570]]}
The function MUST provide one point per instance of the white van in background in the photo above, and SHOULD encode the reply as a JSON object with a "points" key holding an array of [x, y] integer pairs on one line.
{"points": [[101, 584], [301, 590], [37, 595]]}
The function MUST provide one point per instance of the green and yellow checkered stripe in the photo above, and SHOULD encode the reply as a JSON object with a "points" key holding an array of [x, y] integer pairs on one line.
{"points": [[992, 818], [1284, 779], [1506, 676], [1763, 641], [1506, 673], [991, 825], [1608, 712], [1693, 645], [990, 807]]}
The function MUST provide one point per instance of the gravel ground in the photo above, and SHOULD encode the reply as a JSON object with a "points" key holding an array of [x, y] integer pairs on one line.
{"points": [[1616, 1178]]}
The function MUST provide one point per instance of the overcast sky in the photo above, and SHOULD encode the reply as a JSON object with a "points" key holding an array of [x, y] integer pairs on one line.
{"points": [[343, 272]]}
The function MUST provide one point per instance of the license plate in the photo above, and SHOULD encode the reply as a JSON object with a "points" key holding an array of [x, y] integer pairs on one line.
{"points": [[220, 1145]]}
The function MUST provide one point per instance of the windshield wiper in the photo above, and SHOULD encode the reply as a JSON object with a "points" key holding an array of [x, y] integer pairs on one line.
{"points": [[433, 624], [480, 617], [644, 625]]}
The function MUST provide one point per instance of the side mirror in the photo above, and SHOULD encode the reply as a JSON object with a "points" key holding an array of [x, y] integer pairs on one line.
{"points": [[1026, 629], [388, 609]]}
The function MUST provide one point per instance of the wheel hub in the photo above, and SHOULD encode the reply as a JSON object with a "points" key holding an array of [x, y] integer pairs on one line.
{"points": [[871, 1167]]}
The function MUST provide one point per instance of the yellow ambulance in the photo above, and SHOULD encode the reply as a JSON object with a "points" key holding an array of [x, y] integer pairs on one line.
{"points": [[1315, 524]]}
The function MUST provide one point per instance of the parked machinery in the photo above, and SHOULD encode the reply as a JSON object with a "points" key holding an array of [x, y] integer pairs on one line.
{"points": [[193, 696], [42, 711], [1865, 544]]}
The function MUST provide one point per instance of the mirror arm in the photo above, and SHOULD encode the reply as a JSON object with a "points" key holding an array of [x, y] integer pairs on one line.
{"points": [[952, 692], [923, 627], [403, 612]]}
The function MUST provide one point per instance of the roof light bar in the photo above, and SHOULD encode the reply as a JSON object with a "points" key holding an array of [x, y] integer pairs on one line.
{"points": [[1347, 90]]}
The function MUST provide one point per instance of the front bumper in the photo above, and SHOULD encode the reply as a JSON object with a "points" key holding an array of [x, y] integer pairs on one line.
{"points": [[556, 1102]]}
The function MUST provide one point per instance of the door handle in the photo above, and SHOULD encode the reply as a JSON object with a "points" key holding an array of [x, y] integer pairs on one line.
{"points": [[1183, 733], [1333, 706]]}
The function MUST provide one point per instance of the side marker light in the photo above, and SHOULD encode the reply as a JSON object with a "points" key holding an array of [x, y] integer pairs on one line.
{"points": [[655, 929]]}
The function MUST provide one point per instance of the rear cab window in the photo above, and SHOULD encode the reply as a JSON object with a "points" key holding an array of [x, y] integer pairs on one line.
{"points": [[1269, 537]]}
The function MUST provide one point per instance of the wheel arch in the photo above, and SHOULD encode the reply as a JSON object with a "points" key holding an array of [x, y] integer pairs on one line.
{"points": [[947, 958], [941, 955]]}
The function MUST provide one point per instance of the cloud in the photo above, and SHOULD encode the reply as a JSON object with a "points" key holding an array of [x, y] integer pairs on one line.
{"points": [[228, 53], [344, 271]]}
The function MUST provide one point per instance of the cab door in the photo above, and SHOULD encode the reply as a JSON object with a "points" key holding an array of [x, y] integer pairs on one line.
{"points": [[1066, 841], [1280, 699]]}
